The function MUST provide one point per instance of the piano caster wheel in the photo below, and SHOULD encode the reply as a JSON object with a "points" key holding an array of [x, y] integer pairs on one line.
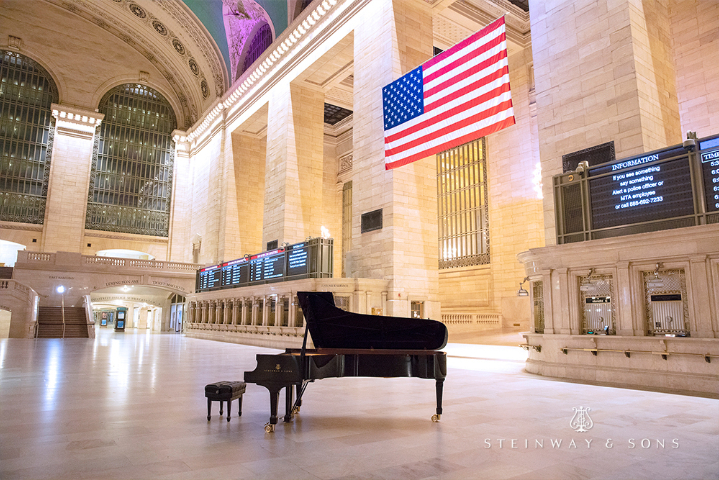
{"points": [[295, 410], [269, 428], [435, 418]]}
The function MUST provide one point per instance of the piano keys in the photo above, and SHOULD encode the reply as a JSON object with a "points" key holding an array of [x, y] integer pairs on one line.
{"points": [[351, 345]]}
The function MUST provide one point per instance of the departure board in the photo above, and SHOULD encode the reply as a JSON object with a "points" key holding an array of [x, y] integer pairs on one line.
{"points": [[267, 266], [210, 277], [710, 172], [236, 272], [641, 190], [309, 259], [298, 259]]}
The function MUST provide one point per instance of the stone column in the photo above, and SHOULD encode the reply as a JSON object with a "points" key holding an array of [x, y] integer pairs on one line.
{"points": [[180, 243], [64, 224], [292, 314], [392, 38], [218, 312], [235, 301], [243, 187], [204, 312], [243, 311], [623, 300], [265, 313], [702, 324], [603, 72], [294, 168], [226, 312], [191, 313]]}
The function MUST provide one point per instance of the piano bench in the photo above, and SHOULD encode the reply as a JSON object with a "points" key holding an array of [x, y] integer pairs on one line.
{"points": [[224, 392]]}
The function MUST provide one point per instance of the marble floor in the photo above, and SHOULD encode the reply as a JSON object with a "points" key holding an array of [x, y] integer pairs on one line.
{"points": [[132, 406]]}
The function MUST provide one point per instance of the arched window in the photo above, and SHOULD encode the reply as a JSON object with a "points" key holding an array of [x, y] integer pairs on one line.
{"points": [[27, 92], [133, 157], [258, 44]]}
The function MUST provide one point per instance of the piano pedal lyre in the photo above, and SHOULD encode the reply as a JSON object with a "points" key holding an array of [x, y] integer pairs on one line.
{"points": [[295, 410], [436, 417], [269, 428]]}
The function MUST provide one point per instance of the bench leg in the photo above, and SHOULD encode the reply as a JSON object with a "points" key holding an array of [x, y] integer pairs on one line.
{"points": [[220, 407], [239, 400], [209, 409], [229, 407]]}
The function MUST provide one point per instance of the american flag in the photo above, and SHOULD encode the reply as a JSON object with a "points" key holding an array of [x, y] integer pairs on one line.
{"points": [[458, 96]]}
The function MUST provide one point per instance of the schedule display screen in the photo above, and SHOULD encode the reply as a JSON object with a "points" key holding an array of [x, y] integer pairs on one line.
{"points": [[236, 272], [210, 277], [309, 259], [298, 259], [710, 173], [641, 190], [268, 265]]}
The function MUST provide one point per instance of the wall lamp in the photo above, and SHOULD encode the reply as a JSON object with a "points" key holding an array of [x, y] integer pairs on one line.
{"points": [[522, 292]]}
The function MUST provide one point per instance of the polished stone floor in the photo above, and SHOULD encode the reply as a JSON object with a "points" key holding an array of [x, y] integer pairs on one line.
{"points": [[132, 406]]}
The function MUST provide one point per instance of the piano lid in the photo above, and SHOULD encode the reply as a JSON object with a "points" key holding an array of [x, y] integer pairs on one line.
{"points": [[332, 327]]}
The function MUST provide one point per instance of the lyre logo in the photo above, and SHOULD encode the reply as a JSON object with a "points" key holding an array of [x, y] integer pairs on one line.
{"points": [[277, 367], [580, 421]]}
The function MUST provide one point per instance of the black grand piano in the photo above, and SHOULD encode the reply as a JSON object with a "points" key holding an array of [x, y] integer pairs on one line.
{"points": [[351, 345]]}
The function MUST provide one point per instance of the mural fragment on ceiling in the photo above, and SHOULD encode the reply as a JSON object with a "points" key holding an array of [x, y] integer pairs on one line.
{"points": [[241, 17]]}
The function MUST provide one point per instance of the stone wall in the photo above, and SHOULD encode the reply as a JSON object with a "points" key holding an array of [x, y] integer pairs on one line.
{"points": [[695, 35]]}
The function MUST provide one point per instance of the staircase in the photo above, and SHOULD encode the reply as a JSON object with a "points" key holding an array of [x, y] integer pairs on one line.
{"points": [[49, 322]]}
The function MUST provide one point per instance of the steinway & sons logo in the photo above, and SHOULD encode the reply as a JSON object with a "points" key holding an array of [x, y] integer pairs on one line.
{"points": [[580, 422]]}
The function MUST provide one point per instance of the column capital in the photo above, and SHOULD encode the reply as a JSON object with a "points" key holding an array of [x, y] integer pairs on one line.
{"points": [[76, 122]]}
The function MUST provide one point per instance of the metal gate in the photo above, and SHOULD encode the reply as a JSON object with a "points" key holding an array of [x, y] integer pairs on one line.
{"points": [[667, 310], [596, 293]]}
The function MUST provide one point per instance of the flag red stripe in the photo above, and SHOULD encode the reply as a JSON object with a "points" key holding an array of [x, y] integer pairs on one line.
{"points": [[448, 114], [462, 60], [467, 73], [454, 126], [507, 122], [467, 89], [486, 30]]}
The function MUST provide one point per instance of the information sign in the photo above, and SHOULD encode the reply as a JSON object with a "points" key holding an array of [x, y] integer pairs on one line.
{"points": [[267, 266], [641, 190], [210, 277], [298, 259], [236, 272]]}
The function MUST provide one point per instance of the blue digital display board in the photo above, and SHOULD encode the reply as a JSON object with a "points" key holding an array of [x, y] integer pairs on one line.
{"points": [[710, 173], [309, 259], [640, 190]]}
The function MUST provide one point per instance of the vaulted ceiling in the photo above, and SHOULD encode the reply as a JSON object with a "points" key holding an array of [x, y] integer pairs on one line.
{"points": [[172, 38]]}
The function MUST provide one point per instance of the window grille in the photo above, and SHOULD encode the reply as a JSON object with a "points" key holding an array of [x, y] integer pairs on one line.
{"points": [[132, 162], [258, 44], [463, 212], [27, 129]]}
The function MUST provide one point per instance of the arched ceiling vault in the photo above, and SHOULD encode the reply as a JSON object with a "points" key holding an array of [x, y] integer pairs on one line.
{"points": [[171, 37]]}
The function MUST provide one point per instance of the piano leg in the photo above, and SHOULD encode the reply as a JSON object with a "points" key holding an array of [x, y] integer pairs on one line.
{"points": [[209, 409], [289, 397], [274, 400], [439, 387]]}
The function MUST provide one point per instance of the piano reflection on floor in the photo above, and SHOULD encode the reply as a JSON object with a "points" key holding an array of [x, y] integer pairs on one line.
{"points": [[351, 345]]}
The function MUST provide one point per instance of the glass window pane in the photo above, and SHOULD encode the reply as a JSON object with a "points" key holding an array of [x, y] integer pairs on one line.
{"points": [[26, 94], [462, 197], [138, 146]]}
